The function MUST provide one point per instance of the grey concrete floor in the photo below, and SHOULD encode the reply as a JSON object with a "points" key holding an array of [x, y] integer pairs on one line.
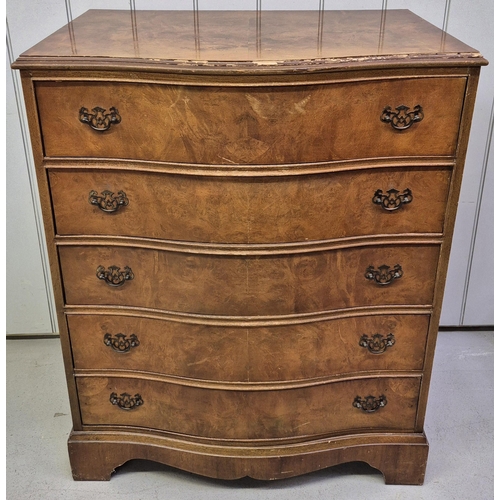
{"points": [[459, 427]]}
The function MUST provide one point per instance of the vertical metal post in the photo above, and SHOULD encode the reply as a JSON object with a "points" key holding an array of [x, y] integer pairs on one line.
{"points": [[69, 16], [321, 17], [135, 34], [446, 16], [383, 15], [258, 28], [196, 20]]}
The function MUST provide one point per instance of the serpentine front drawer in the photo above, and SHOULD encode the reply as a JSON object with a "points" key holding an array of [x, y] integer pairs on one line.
{"points": [[229, 413], [252, 285], [235, 125], [227, 352], [251, 209]]}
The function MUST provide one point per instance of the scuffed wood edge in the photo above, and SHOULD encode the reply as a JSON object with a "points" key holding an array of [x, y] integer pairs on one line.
{"points": [[263, 66], [402, 458]]}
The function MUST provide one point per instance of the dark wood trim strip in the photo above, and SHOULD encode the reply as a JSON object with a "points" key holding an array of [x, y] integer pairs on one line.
{"points": [[467, 328], [462, 328], [31, 336]]}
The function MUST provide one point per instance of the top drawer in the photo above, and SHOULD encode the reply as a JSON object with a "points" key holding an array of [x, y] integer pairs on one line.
{"points": [[250, 125]]}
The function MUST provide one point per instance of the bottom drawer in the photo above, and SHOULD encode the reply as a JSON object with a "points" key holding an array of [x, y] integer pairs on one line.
{"points": [[249, 412]]}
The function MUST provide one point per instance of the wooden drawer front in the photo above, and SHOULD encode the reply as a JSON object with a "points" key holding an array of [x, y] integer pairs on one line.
{"points": [[254, 414], [256, 125], [242, 354], [255, 210], [257, 285]]}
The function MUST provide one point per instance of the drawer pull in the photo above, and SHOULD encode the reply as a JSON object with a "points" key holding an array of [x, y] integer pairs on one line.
{"points": [[370, 403], [401, 119], [113, 276], [385, 275], [126, 401], [120, 343], [108, 202], [100, 120], [377, 344], [392, 200]]}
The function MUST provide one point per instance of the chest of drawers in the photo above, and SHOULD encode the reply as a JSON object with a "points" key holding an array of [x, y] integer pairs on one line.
{"points": [[249, 231]]}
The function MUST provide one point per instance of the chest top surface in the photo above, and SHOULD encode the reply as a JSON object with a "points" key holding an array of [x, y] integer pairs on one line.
{"points": [[225, 41]]}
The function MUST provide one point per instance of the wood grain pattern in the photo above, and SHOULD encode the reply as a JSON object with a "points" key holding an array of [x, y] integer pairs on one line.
{"points": [[225, 125], [49, 227], [250, 157], [112, 449], [250, 210], [228, 41], [243, 354], [447, 242], [236, 414], [252, 286]]}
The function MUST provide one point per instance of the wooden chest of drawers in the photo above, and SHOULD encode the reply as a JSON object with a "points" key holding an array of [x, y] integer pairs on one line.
{"points": [[249, 233]]}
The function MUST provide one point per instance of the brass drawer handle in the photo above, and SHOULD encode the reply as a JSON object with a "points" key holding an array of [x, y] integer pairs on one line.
{"points": [[392, 200], [100, 120], [377, 344], [385, 275], [401, 119], [108, 202], [120, 343], [113, 276], [370, 404], [126, 401]]}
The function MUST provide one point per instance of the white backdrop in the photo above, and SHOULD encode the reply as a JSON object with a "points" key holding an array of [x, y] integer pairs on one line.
{"points": [[469, 290]]}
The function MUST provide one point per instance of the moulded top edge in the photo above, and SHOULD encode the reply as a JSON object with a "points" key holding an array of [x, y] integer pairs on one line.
{"points": [[247, 67], [234, 41]]}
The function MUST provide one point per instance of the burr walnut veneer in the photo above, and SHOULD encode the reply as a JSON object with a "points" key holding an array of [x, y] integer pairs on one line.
{"points": [[249, 219]]}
